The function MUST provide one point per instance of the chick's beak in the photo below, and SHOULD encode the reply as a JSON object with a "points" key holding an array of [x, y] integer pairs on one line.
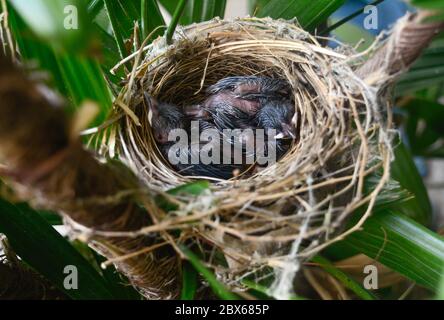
{"points": [[286, 133]]}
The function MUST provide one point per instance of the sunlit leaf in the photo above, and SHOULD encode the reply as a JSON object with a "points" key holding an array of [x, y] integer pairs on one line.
{"points": [[405, 172], [402, 245], [64, 23], [75, 74]]}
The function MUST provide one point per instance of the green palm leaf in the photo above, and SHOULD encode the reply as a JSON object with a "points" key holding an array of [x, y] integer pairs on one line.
{"points": [[308, 13]]}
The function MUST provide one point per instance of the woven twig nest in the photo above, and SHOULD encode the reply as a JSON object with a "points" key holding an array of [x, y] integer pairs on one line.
{"points": [[293, 208]]}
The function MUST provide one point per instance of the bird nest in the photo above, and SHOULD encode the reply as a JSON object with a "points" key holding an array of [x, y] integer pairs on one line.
{"points": [[276, 217]]}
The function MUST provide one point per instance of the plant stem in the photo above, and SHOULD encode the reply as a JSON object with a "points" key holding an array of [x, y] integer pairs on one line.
{"points": [[175, 20]]}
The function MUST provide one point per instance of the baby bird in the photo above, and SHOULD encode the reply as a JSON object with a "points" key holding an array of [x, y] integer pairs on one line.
{"points": [[278, 115], [226, 115], [247, 90], [235, 101], [217, 170], [165, 118], [225, 98]]}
